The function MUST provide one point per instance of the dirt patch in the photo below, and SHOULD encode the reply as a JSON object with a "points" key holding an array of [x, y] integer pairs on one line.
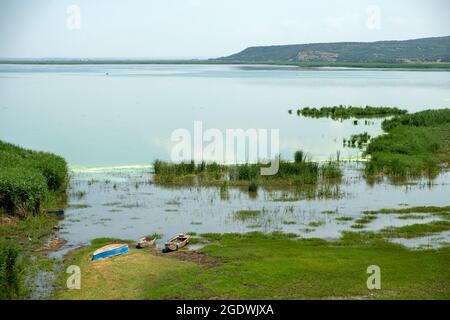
{"points": [[194, 256]]}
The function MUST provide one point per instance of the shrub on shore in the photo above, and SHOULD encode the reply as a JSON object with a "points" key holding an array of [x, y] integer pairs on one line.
{"points": [[27, 178], [11, 273]]}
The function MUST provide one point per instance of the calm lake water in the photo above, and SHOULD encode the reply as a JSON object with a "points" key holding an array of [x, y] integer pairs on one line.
{"points": [[127, 116]]}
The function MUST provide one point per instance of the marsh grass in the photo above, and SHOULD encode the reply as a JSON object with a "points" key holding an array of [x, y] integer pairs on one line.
{"points": [[415, 145], [298, 174], [243, 215], [346, 112]]}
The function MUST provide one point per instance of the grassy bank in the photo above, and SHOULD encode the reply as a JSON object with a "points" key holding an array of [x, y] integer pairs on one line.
{"points": [[30, 182], [258, 266], [346, 112], [415, 144]]}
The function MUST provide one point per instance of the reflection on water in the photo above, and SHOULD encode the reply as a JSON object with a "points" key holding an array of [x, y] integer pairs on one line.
{"points": [[124, 203]]}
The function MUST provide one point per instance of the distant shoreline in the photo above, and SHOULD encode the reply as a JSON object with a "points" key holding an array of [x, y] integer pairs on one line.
{"points": [[403, 66]]}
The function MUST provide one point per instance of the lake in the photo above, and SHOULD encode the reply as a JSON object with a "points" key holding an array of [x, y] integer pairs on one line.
{"points": [[107, 115]]}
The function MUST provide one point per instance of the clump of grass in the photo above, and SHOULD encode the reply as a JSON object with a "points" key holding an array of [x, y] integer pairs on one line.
{"points": [[254, 226], [12, 282], [329, 211], [316, 223], [300, 156], [420, 209], [366, 219], [344, 218], [288, 222], [358, 226], [286, 199], [246, 214], [415, 230], [331, 170], [357, 140], [253, 187], [412, 217], [346, 112]]}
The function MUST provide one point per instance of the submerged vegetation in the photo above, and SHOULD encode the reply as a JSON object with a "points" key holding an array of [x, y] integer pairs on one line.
{"points": [[357, 140], [346, 112], [415, 144]]}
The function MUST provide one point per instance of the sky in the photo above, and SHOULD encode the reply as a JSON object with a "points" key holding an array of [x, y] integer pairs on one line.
{"points": [[180, 29]]}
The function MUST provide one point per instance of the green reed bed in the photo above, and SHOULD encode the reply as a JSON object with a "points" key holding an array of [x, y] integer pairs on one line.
{"points": [[29, 179], [300, 173], [415, 145], [346, 112]]}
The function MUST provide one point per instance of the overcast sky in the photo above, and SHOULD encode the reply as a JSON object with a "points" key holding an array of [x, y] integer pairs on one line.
{"points": [[204, 28]]}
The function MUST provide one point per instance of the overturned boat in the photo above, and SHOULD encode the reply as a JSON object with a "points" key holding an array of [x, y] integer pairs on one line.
{"points": [[110, 250], [177, 242]]}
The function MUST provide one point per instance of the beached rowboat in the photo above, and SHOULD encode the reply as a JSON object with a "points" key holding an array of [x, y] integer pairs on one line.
{"points": [[145, 242], [177, 242], [110, 251]]}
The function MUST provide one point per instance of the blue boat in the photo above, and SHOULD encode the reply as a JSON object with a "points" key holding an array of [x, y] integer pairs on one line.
{"points": [[58, 213], [110, 250]]}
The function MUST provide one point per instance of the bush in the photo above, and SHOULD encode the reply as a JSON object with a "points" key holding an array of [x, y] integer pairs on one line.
{"points": [[299, 156], [53, 167], [11, 273], [27, 177], [22, 190]]}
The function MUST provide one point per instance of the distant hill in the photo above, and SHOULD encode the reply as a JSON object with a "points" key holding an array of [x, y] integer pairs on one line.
{"points": [[408, 51]]}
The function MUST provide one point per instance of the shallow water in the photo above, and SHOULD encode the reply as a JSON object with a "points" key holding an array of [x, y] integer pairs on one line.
{"points": [[124, 203], [127, 117]]}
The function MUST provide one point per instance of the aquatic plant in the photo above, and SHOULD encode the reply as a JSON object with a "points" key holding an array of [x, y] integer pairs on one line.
{"points": [[253, 187], [246, 214], [299, 156], [357, 140]]}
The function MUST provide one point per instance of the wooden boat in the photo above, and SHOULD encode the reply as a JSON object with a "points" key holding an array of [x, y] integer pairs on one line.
{"points": [[110, 250], [177, 242], [145, 242]]}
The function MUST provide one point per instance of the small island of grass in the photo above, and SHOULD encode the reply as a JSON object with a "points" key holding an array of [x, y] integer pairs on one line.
{"points": [[346, 112]]}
